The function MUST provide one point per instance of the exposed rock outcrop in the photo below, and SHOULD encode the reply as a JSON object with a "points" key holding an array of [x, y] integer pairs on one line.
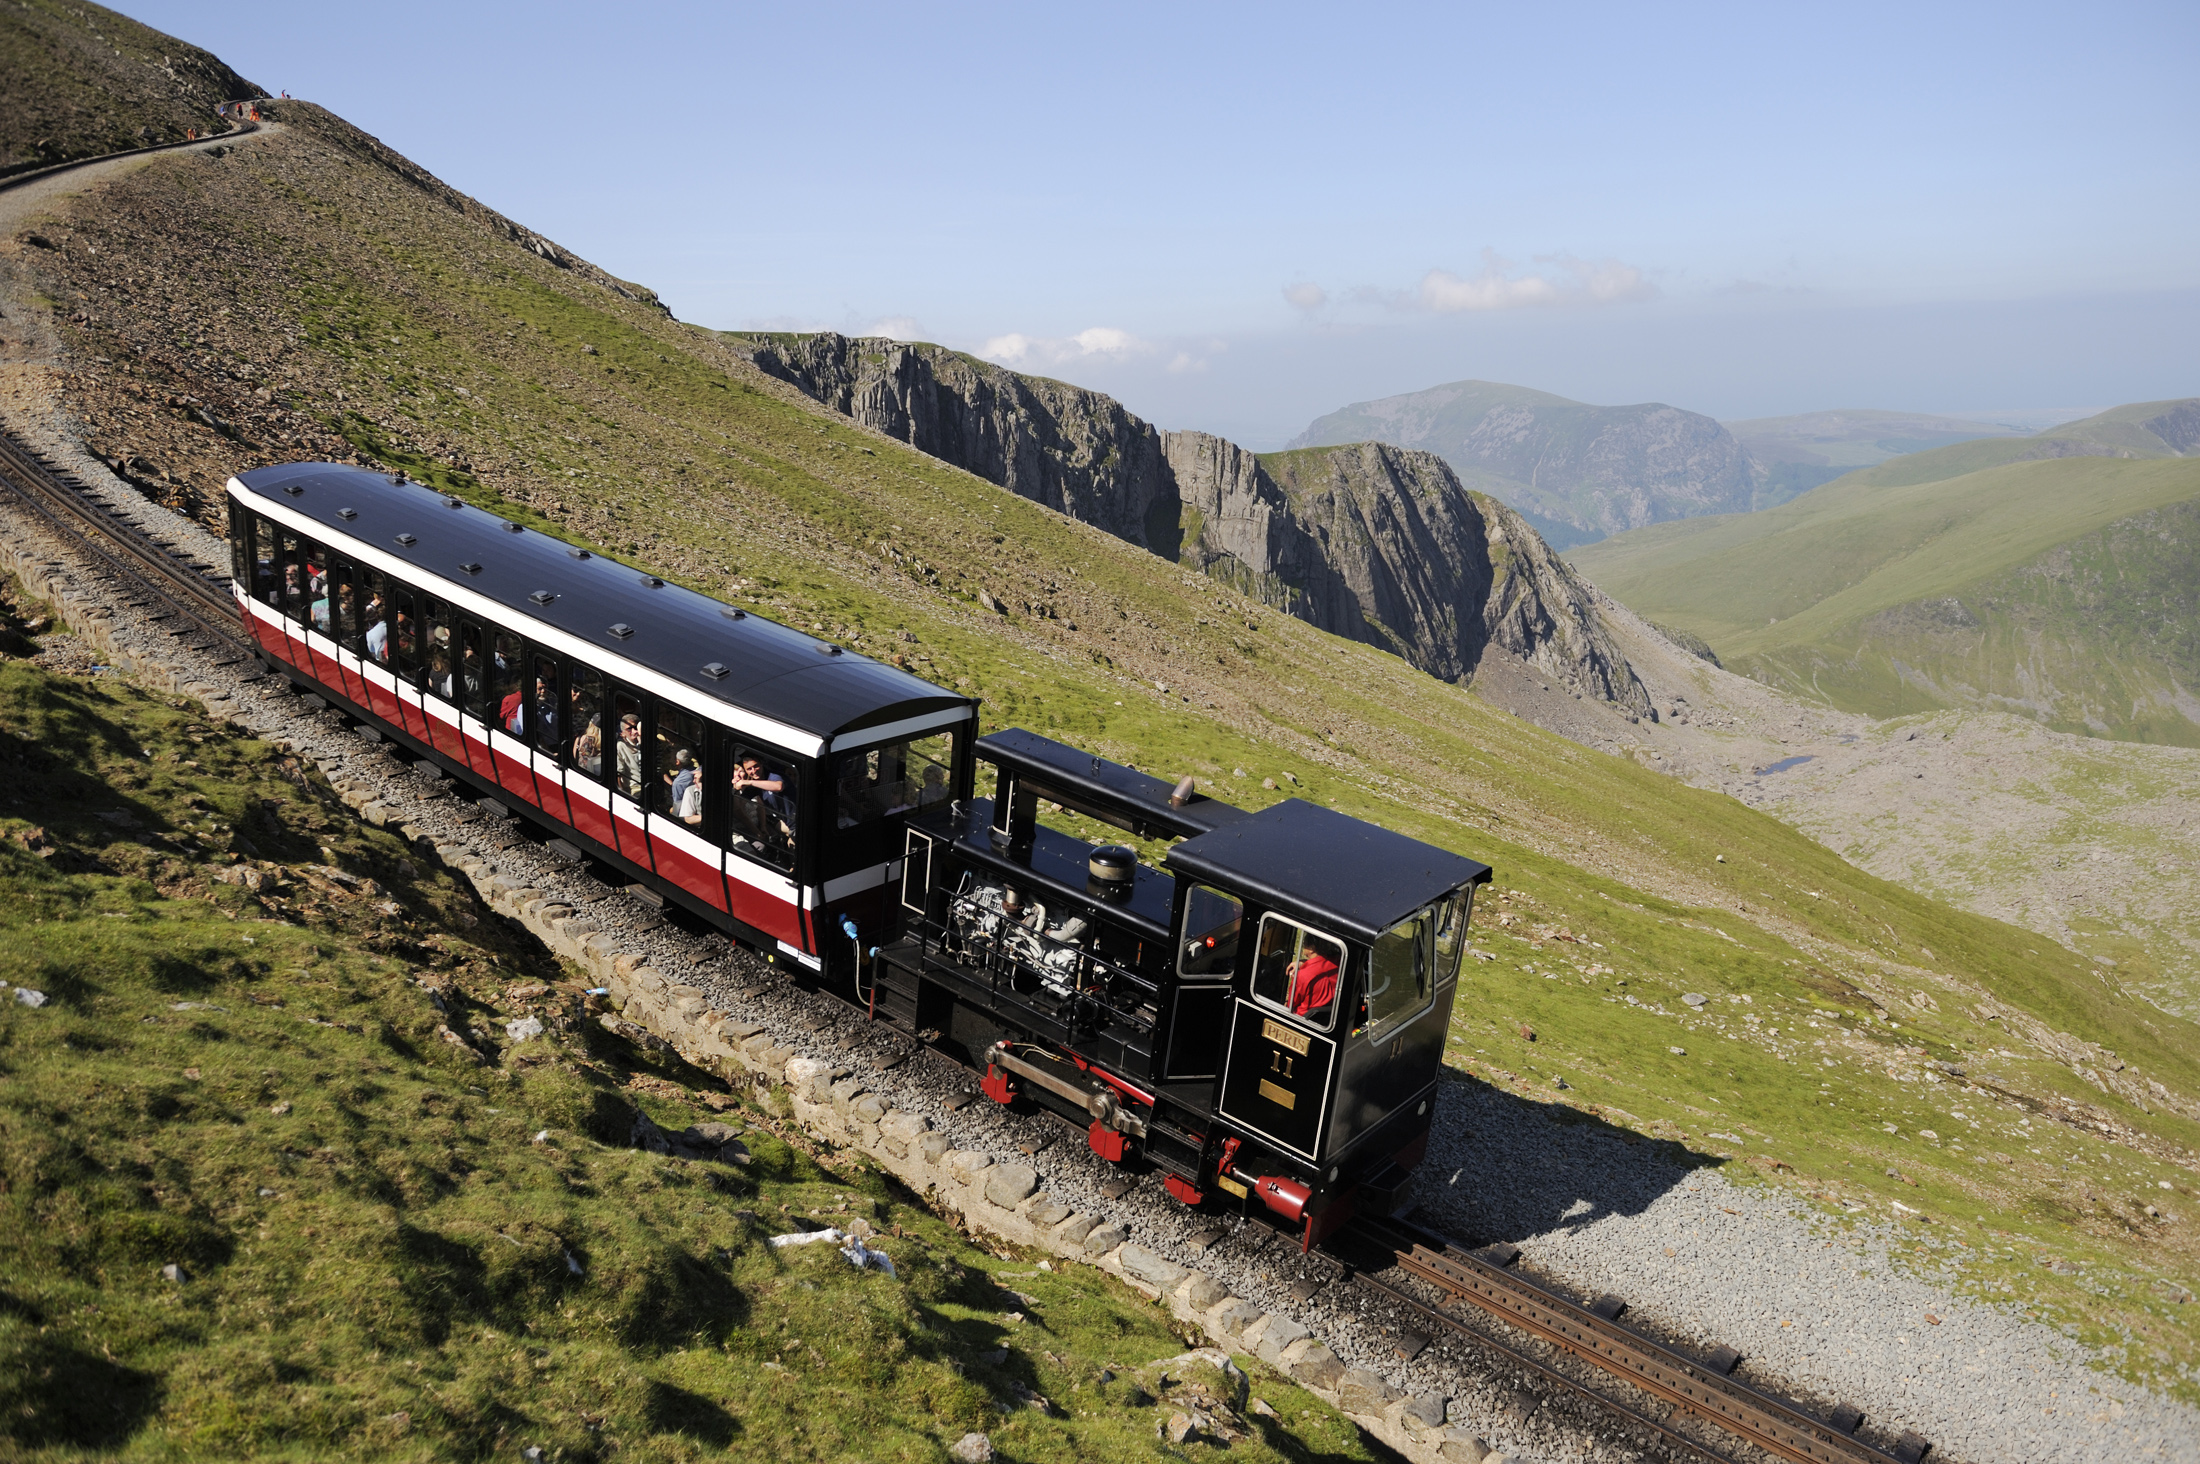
{"points": [[1368, 541], [1073, 450]]}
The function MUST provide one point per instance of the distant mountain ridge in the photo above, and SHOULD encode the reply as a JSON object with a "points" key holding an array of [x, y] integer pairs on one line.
{"points": [[1804, 451], [2055, 576], [1575, 471], [1365, 540]]}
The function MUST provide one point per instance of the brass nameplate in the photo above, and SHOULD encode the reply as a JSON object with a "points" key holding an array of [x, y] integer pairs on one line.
{"points": [[1274, 1094], [1283, 1036], [1231, 1185]]}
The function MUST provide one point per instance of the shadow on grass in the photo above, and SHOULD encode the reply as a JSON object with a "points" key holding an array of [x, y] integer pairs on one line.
{"points": [[57, 1394]]}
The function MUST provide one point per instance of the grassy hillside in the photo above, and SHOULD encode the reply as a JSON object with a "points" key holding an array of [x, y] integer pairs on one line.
{"points": [[2061, 587], [388, 1247], [342, 304], [1800, 452]]}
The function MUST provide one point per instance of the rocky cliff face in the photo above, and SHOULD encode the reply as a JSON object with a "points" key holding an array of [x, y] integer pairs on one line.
{"points": [[1366, 540], [1073, 450], [1578, 471]]}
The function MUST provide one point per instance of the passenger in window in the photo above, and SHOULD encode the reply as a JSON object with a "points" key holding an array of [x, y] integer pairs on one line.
{"points": [[687, 798], [378, 633], [761, 809], [546, 713], [1313, 982], [293, 591], [681, 777], [630, 756], [512, 713], [321, 609], [588, 750], [439, 673], [935, 787], [472, 673]]}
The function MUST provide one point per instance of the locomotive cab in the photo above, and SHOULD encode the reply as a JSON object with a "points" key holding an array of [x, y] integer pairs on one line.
{"points": [[1261, 1019]]}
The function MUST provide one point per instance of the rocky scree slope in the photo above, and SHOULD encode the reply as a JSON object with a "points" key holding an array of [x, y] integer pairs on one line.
{"points": [[1364, 541], [81, 80], [1576, 471]]}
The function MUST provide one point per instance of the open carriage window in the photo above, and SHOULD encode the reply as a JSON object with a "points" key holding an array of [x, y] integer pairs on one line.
{"points": [[1451, 932], [876, 788], [1299, 970], [761, 807], [676, 765], [1211, 920], [1401, 977]]}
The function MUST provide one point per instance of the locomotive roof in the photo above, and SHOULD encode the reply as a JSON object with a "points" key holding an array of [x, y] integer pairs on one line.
{"points": [[1100, 784], [770, 669], [1356, 877]]}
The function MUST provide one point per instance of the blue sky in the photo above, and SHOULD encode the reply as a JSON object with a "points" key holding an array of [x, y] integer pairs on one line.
{"points": [[1239, 217]]}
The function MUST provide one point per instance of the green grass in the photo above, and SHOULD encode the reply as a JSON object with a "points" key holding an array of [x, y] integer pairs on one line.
{"points": [[663, 448], [390, 1251]]}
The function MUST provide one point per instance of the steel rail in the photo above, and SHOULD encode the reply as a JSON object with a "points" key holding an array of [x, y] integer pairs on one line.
{"points": [[1694, 1386], [118, 549]]}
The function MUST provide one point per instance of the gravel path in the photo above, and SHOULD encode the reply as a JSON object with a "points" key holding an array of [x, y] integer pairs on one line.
{"points": [[1821, 1311]]}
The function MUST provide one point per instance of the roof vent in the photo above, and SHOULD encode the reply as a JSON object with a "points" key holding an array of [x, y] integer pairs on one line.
{"points": [[512, 528], [295, 490], [715, 671], [578, 554], [347, 514], [455, 501], [732, 614], [622, 631], [826, 648], [406, 540], [469, 567], [653, 582], [542, 597]]}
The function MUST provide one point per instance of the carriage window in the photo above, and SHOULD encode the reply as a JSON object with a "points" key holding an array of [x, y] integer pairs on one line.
{"points": [[676, 766], [374, 634], [626, 725], [584, 714], [1399, 978], [405, 631], [507, 699], [1298, 970], [1451, 932], [315, 560], [542, 699], [760, 814], [289, 594], [240, 544], [879, 782], [341, 621], [472, 679], [264, 553], [436, 647], [1211, 920]]}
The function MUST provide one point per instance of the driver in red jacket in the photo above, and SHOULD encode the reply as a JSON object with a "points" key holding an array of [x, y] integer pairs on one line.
{"points": [[1313, 983]]}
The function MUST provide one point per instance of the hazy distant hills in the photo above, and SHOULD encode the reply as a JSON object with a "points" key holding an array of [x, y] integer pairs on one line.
{"points": [[2057, 576], [1796, 454], [1575, 471]]}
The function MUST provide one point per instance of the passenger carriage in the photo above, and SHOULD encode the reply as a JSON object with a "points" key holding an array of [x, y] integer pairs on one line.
{"points": [[1260, 1018]]}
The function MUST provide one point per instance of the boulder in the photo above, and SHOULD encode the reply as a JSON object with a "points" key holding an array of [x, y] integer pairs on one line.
{"points": [[1460, 1447], [1230, 1317], [1424, 1415], [972, 1448], [1363, 1392], [1280, 1333], [1010, 1184], [1141, 1264], [1203, 1290], [1309, 1362], [1099, 1242]]}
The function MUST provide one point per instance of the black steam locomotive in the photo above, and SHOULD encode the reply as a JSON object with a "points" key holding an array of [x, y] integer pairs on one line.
{"points": [[1260, 1020]]}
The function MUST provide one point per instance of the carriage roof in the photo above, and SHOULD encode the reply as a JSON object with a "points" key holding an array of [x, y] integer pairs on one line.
{"points": [[769, 669]]}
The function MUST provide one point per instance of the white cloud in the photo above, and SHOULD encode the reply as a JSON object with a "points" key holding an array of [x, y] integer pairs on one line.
{"points": [[1306, 295], [1017, 349], [1564, 279], [895, 328]]}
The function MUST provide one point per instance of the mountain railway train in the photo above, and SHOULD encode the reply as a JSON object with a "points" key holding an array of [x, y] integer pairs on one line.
{"points": [[1261, 1020]]}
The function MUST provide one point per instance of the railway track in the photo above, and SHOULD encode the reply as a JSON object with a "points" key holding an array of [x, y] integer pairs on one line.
{"points": [[161, 587], [1703, 1387], [138, 569]]}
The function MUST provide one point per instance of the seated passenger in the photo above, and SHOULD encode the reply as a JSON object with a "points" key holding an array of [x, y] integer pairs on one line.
{"points": [[546, 713], [512, 713], [378, 633], [681, 778], [630, 756], [935, 787], [761, 813], [588, 751], [687, 802], [1313, 983], [439, 674], [319, 613]]}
